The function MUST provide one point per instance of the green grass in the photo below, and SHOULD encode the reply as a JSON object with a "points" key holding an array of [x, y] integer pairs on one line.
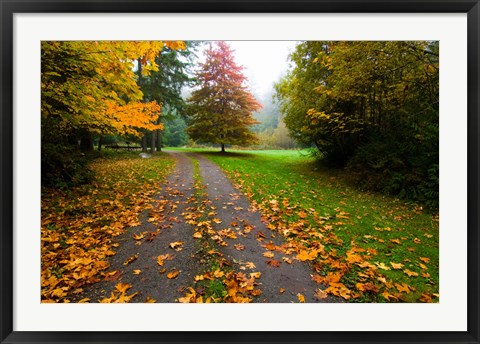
{"points": [[347, 218]]}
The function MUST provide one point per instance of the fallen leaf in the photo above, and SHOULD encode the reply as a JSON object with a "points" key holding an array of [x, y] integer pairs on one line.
{"points": [[239, 247], [173, 274], [150, 300], [389, 296], [305, 255], [197, 235], [218, 273], [122, 287], [255, 274], [301, 298], [160, 260], [425, 259], [396, 266], [281, 290], [131, 259], [138, 236], [273, 262], [382, 266], [402, 287], [137, 272], [177, 245], [268, 254], [320, 294], [410, 273], [250, 265], [426, 298]]}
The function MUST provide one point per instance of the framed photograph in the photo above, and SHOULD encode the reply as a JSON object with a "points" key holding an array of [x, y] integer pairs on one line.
{"points": [[163, 162]]}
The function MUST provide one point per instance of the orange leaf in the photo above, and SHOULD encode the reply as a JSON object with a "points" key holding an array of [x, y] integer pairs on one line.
{"points": [[173, 274], [273, 262]]}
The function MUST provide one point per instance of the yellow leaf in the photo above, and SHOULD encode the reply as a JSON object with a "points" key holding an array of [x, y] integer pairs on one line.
{"points": [[301, 298], [382, 266], [402, 287], [137, 272], [160, 260], [177, 245], [410, 273], [255, 274], [197, 235], [122, 287], [388, 296], [268, 254], [218, 273], [150, 300], [396, 266]]}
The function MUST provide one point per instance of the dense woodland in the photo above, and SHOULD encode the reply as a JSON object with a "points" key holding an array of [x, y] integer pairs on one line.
{"points": [[370, 108]]}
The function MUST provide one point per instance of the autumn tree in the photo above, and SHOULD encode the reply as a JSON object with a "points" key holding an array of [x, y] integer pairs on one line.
{"points": [[91, 88], [221, 108], [370, 106]]}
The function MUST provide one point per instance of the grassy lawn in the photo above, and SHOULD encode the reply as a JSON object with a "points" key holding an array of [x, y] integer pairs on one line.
{"points": [[78, 224], [365, 247]]}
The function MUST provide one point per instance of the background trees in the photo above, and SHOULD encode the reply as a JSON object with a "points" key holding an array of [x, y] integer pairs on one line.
{"points": [[370, 106], [165, 87], [221, 109]]}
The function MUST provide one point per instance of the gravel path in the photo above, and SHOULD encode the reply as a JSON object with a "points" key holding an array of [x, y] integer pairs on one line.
{"points": [[163, 228], [278, 283]]}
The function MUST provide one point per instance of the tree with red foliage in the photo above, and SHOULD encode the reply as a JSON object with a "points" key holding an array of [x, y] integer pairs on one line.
{"points": [[222, 108]]}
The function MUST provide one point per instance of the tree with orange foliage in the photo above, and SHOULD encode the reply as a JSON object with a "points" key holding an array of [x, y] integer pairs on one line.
{"points": [[90, 87], [222, 108]]}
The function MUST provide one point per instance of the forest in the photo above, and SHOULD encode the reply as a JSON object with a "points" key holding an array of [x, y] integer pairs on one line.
{"points": [[338, 156]]}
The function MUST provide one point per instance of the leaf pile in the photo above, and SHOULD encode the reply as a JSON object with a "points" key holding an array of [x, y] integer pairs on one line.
{"points": [[79, 225]]}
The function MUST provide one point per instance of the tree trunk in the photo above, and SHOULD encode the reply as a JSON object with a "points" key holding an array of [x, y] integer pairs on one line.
{"points": [[152, 143], [100, 142], [144, 142], [86, 142], [223, 148], [159, 140]]}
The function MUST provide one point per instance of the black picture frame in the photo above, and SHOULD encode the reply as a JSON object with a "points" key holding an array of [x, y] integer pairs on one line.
{"points": [[11, 7]]}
